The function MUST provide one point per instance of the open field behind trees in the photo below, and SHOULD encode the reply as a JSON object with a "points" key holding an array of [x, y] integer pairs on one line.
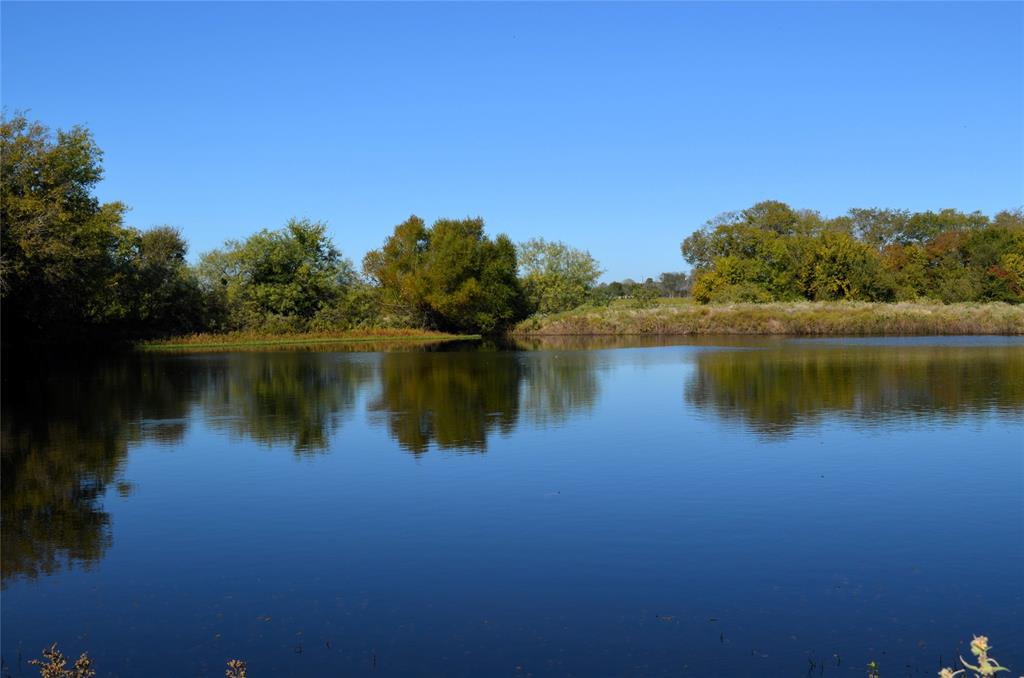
{"points": [[679, 317], [72, 270]]}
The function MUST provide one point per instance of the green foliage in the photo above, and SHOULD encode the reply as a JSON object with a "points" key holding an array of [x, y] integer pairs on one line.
{"points": [[668, 285], [72, 270], [616, 289], [556, 277], [905, 270], [877, 227], [845, 269], [64, 252], [279, 280], [450, 276], [645, 296], [771, 252], [719, 288], [922, 227], [697, 249], [604, 294], [398, 270], [69, 265], [358, 306], [161, 290], [705, 284]]}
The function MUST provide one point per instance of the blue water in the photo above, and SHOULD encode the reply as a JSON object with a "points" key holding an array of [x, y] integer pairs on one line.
{"points": [[744, 509]]}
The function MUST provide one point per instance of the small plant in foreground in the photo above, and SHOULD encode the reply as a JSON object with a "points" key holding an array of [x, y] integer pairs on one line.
{"points": [[54, 665], [54, 662], [987, 666]]}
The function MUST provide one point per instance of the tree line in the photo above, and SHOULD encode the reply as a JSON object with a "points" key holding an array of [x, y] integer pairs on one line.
{"points": [[772, 252], [71, 269]]}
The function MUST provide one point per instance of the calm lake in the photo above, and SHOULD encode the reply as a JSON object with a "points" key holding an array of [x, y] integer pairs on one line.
{"points": [[723, 507]]}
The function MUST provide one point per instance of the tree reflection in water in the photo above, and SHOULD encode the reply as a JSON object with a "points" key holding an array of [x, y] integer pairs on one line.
{"points": [[453, 400], [457, 400], [66, 429], [67, 426], [294, 399], [775, 391]]}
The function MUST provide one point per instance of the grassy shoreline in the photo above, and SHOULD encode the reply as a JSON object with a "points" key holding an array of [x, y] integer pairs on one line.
{"points": [[683, 317], [228, 340], [669, 317]]}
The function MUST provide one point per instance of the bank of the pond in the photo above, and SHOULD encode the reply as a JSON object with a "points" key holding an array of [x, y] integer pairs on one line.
{"points": [[676, 317], [242, 340]]}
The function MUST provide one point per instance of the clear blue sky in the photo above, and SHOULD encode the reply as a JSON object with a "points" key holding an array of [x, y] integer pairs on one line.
{"points": [[615, 127]]}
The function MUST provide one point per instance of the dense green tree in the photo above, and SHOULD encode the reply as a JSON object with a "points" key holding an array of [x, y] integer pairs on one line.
{"points": [[277, 279], [924, 226], [398, 270], [771, 252], [878, 227], [162, 294], [751, 263], [358, 306], [556, 277], [69, 267], [645, 295], [905, 270], [63, 252], [772, 215], [1011, 219], [998, 251], [449, 276], [697, 249], [603, 294], [845, 268], [627, 286]]}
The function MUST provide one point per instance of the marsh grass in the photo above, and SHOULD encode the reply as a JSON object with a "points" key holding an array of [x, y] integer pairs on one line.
{"points": [[243, 340], [796, 318]]}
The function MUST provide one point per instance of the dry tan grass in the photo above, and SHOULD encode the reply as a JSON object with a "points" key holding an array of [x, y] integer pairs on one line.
{"points": [[796, 318]]}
